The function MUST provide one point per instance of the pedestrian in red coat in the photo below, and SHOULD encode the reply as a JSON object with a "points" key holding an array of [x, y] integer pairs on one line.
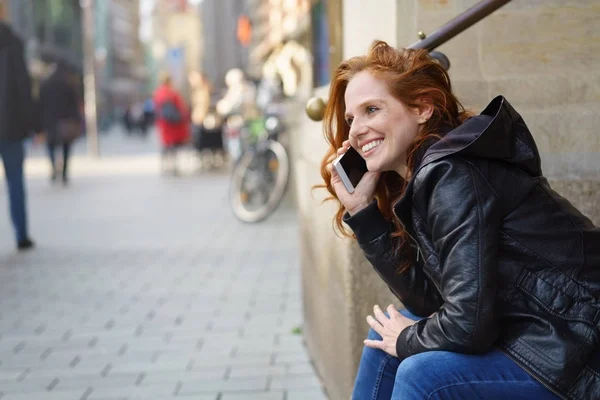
{"points": [[173, 122]]}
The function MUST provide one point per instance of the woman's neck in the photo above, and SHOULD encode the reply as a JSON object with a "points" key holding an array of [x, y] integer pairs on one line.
{"points": [[404, 172]]}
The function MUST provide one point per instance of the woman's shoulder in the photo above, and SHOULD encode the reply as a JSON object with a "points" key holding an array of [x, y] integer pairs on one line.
{"points": [[462, 176], [452, 166]]}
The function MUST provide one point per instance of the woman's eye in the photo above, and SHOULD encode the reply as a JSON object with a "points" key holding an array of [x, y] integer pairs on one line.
{"points": [[349, 121], [371, 109]]}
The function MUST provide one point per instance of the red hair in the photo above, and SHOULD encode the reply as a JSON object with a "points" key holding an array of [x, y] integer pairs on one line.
{"points": [[411, 76]]}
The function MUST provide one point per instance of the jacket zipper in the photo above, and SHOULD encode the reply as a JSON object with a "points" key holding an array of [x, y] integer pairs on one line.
{"points": [[412, 239], [530, 372]]}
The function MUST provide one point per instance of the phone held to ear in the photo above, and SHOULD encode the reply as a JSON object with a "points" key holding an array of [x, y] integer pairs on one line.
{"points": [[351, 167]]}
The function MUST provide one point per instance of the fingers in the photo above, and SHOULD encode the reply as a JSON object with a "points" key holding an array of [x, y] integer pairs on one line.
{"points": [[381, 317], [376, 325], [375, 344], [392, 311], [344, 148]]}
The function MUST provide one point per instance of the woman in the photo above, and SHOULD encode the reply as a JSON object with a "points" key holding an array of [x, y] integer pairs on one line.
{"points": [[172, 121], [499, 274], [60, 117]]}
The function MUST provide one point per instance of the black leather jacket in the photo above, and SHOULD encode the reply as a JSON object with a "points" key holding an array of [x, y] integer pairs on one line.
{"points": [[503, 259]]}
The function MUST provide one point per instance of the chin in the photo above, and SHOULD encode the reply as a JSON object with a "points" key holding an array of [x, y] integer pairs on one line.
{"points": [[374, 166]]}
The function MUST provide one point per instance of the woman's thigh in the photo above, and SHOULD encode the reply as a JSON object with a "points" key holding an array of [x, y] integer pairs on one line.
{"points": [[446, 375], [376, 371]]}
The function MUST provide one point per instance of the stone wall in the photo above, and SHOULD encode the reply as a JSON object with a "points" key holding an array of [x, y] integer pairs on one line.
{"points": [[543, 55]]}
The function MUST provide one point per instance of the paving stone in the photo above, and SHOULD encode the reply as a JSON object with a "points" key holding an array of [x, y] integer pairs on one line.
{"points": [[27, 385], [282, 358], [110, 381], [313, 394], [134, 392], [45, 395], [276, 395], [157, 377], [258, 371], [230, 385], [295, 382], [301, 369]]}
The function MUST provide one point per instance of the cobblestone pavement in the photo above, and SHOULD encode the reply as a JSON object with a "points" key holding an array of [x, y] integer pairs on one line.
{"points": [[146, 287]]}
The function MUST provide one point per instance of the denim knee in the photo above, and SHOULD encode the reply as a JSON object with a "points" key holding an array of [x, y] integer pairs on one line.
{"points": [[412, 375], [371, 353]]}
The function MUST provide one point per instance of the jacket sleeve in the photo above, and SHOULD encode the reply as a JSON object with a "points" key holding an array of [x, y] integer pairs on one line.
{"points": [[462, 214], [374, 236]]}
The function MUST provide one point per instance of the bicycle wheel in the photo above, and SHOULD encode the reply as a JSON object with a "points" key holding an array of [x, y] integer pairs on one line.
{"points": [[259, 181]]}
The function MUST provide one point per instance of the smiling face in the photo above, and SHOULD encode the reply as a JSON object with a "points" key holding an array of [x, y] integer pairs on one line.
{"points": [[381, 127]]}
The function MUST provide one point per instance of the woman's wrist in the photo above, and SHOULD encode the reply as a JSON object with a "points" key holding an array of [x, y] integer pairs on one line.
{"points": [[359, 207]]}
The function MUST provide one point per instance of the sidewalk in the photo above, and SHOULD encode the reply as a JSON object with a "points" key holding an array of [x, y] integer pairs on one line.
{"points": [[144, 287]]}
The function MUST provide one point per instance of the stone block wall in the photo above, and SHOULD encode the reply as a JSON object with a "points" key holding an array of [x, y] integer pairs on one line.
{"points": [[544, 57]]}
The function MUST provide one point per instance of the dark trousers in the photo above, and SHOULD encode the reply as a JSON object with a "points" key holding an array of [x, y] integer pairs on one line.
{"points": [[13, 155], [66, 150]]}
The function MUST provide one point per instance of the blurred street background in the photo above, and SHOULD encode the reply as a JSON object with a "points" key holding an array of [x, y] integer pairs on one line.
{"points": [[142, 284]]}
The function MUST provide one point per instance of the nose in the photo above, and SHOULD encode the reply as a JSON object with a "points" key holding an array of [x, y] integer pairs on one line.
{"points": [[356, 129]]}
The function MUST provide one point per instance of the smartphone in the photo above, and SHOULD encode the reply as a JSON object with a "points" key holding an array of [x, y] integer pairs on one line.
{"points": [[351, 167]]}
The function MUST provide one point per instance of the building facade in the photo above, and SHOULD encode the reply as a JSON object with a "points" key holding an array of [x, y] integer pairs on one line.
{"points": [[222, 48], [51, 31], [176, 40], [119, 56]]}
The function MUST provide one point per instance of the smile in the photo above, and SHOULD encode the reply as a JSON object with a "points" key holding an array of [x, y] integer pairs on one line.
{"points": [[371, 145]]}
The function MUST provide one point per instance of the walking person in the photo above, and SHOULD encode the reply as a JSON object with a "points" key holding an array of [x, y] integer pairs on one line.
{"points": [[173, 123], [60, 117], [499, 274], [16, 116]]}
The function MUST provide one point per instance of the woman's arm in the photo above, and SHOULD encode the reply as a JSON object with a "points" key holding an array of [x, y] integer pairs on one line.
{"points": [[374, 236], [462, 214]]}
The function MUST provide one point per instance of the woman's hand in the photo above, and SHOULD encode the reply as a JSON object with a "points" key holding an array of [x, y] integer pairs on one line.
{"points": [[364, 191], [388, 328]]}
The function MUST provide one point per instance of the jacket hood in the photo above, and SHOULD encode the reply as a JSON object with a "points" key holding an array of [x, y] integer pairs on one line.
{"points": [[499, 132]]}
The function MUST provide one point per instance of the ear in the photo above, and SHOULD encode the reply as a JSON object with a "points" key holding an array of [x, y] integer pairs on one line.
{"points": [[424, 110]]}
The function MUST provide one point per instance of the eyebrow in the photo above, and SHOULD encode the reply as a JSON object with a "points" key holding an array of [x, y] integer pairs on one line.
{"points": [[364, 103]]}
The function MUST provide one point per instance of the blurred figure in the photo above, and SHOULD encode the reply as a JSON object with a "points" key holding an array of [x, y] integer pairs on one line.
{"points": [[201, 90], [127, 120], [136, 115], [16, 116], [240, 95], [148, 113], [60, 117], [173, 122]]}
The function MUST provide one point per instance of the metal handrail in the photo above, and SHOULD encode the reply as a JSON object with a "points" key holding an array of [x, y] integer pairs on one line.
{"points": [[315, 107], [460, 23]]}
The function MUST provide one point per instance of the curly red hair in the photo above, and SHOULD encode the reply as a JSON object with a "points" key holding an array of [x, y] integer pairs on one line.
{"points": [[411, 76]]}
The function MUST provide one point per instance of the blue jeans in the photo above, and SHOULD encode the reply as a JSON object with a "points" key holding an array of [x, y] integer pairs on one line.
{"points": [[13, 155], [443, 375]]}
